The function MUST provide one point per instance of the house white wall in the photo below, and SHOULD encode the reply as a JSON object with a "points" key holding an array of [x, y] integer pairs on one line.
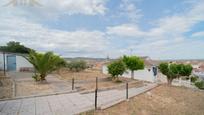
{"points": [[22, 62], [145, 74]]}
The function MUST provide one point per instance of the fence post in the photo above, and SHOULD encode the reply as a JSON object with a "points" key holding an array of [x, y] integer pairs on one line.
{"points": [[4, 63], [127, 90], [96, 93], [72, 83]]}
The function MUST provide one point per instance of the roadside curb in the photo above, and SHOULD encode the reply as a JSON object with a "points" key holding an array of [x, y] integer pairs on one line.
{"points": [[32, 96]]}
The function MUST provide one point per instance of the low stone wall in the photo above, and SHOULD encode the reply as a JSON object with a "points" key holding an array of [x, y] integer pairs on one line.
{"points": [[6, 87]]}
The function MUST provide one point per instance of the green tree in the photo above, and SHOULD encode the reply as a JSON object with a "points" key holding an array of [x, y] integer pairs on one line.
{"points": [[15, 47], [133, 63], [173, 71], [116, 68], [170, 70], [77, 65], [187, 70], [45, 63]]}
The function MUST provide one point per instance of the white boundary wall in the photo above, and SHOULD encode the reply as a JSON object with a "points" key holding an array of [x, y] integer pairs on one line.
{"points": [[145, 74]]}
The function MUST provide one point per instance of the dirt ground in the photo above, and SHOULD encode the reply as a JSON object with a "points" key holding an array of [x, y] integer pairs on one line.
{"points": [[109, 85], [27, 88], [6, 90], [85, 80], [163, 100], [83, 75], [1, 73]]}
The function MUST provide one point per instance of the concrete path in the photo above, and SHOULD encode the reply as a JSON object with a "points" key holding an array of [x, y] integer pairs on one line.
{"points": [[66, 104], [23, 79]]}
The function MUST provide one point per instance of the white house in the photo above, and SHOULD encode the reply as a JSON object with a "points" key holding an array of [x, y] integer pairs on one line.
{"points": [[14, 62], [145, 74]]}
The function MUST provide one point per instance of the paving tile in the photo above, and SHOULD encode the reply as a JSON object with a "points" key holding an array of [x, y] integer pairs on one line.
{"points": [[12, 107], [27, 107], [42, 106], [65, 104], [2, 105]]}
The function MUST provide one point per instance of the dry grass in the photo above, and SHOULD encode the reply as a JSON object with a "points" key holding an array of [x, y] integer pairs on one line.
{"points": [[111, 85], [6, 90], [86, 80], [27, 88], [162, 100], [1, 74], [83, 75]]}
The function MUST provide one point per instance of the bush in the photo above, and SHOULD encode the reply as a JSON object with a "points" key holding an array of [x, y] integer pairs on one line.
{"points": [[77, 66], [116, 68], [200, 84], [36, 77], [194, 79]]}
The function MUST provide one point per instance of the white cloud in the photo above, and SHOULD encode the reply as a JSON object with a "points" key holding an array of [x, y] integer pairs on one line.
{"points": [[129, 9], [170, 26], [36, 36], [87, 7], [198, 34], [53, 9], [166, 38], [20, 23], [125, 30]]}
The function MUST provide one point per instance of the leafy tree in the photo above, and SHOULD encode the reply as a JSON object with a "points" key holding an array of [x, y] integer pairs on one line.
{"points": [[133, 63], [116, 68], [187, 70], [45, 63], [77, 65], [173, 71], [14, 47]]}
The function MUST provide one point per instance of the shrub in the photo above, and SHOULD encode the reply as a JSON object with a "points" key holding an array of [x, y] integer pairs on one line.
{"points": [[36, 77], [77, 65], [200, 84], [116, 68], [194, 79]]}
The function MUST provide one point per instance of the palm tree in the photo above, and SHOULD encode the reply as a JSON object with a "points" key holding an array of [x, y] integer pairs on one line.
{"points": [[45, 63]]}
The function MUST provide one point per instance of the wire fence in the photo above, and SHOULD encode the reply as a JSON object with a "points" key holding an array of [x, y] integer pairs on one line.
{"points": [[100, 90]]}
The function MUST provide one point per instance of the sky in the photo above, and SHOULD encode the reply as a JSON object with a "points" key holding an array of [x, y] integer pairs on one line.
{"points": [[160, 29]]}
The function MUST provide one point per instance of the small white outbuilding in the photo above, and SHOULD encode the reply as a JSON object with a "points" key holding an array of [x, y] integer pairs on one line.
{"points": [[14, 62]]}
